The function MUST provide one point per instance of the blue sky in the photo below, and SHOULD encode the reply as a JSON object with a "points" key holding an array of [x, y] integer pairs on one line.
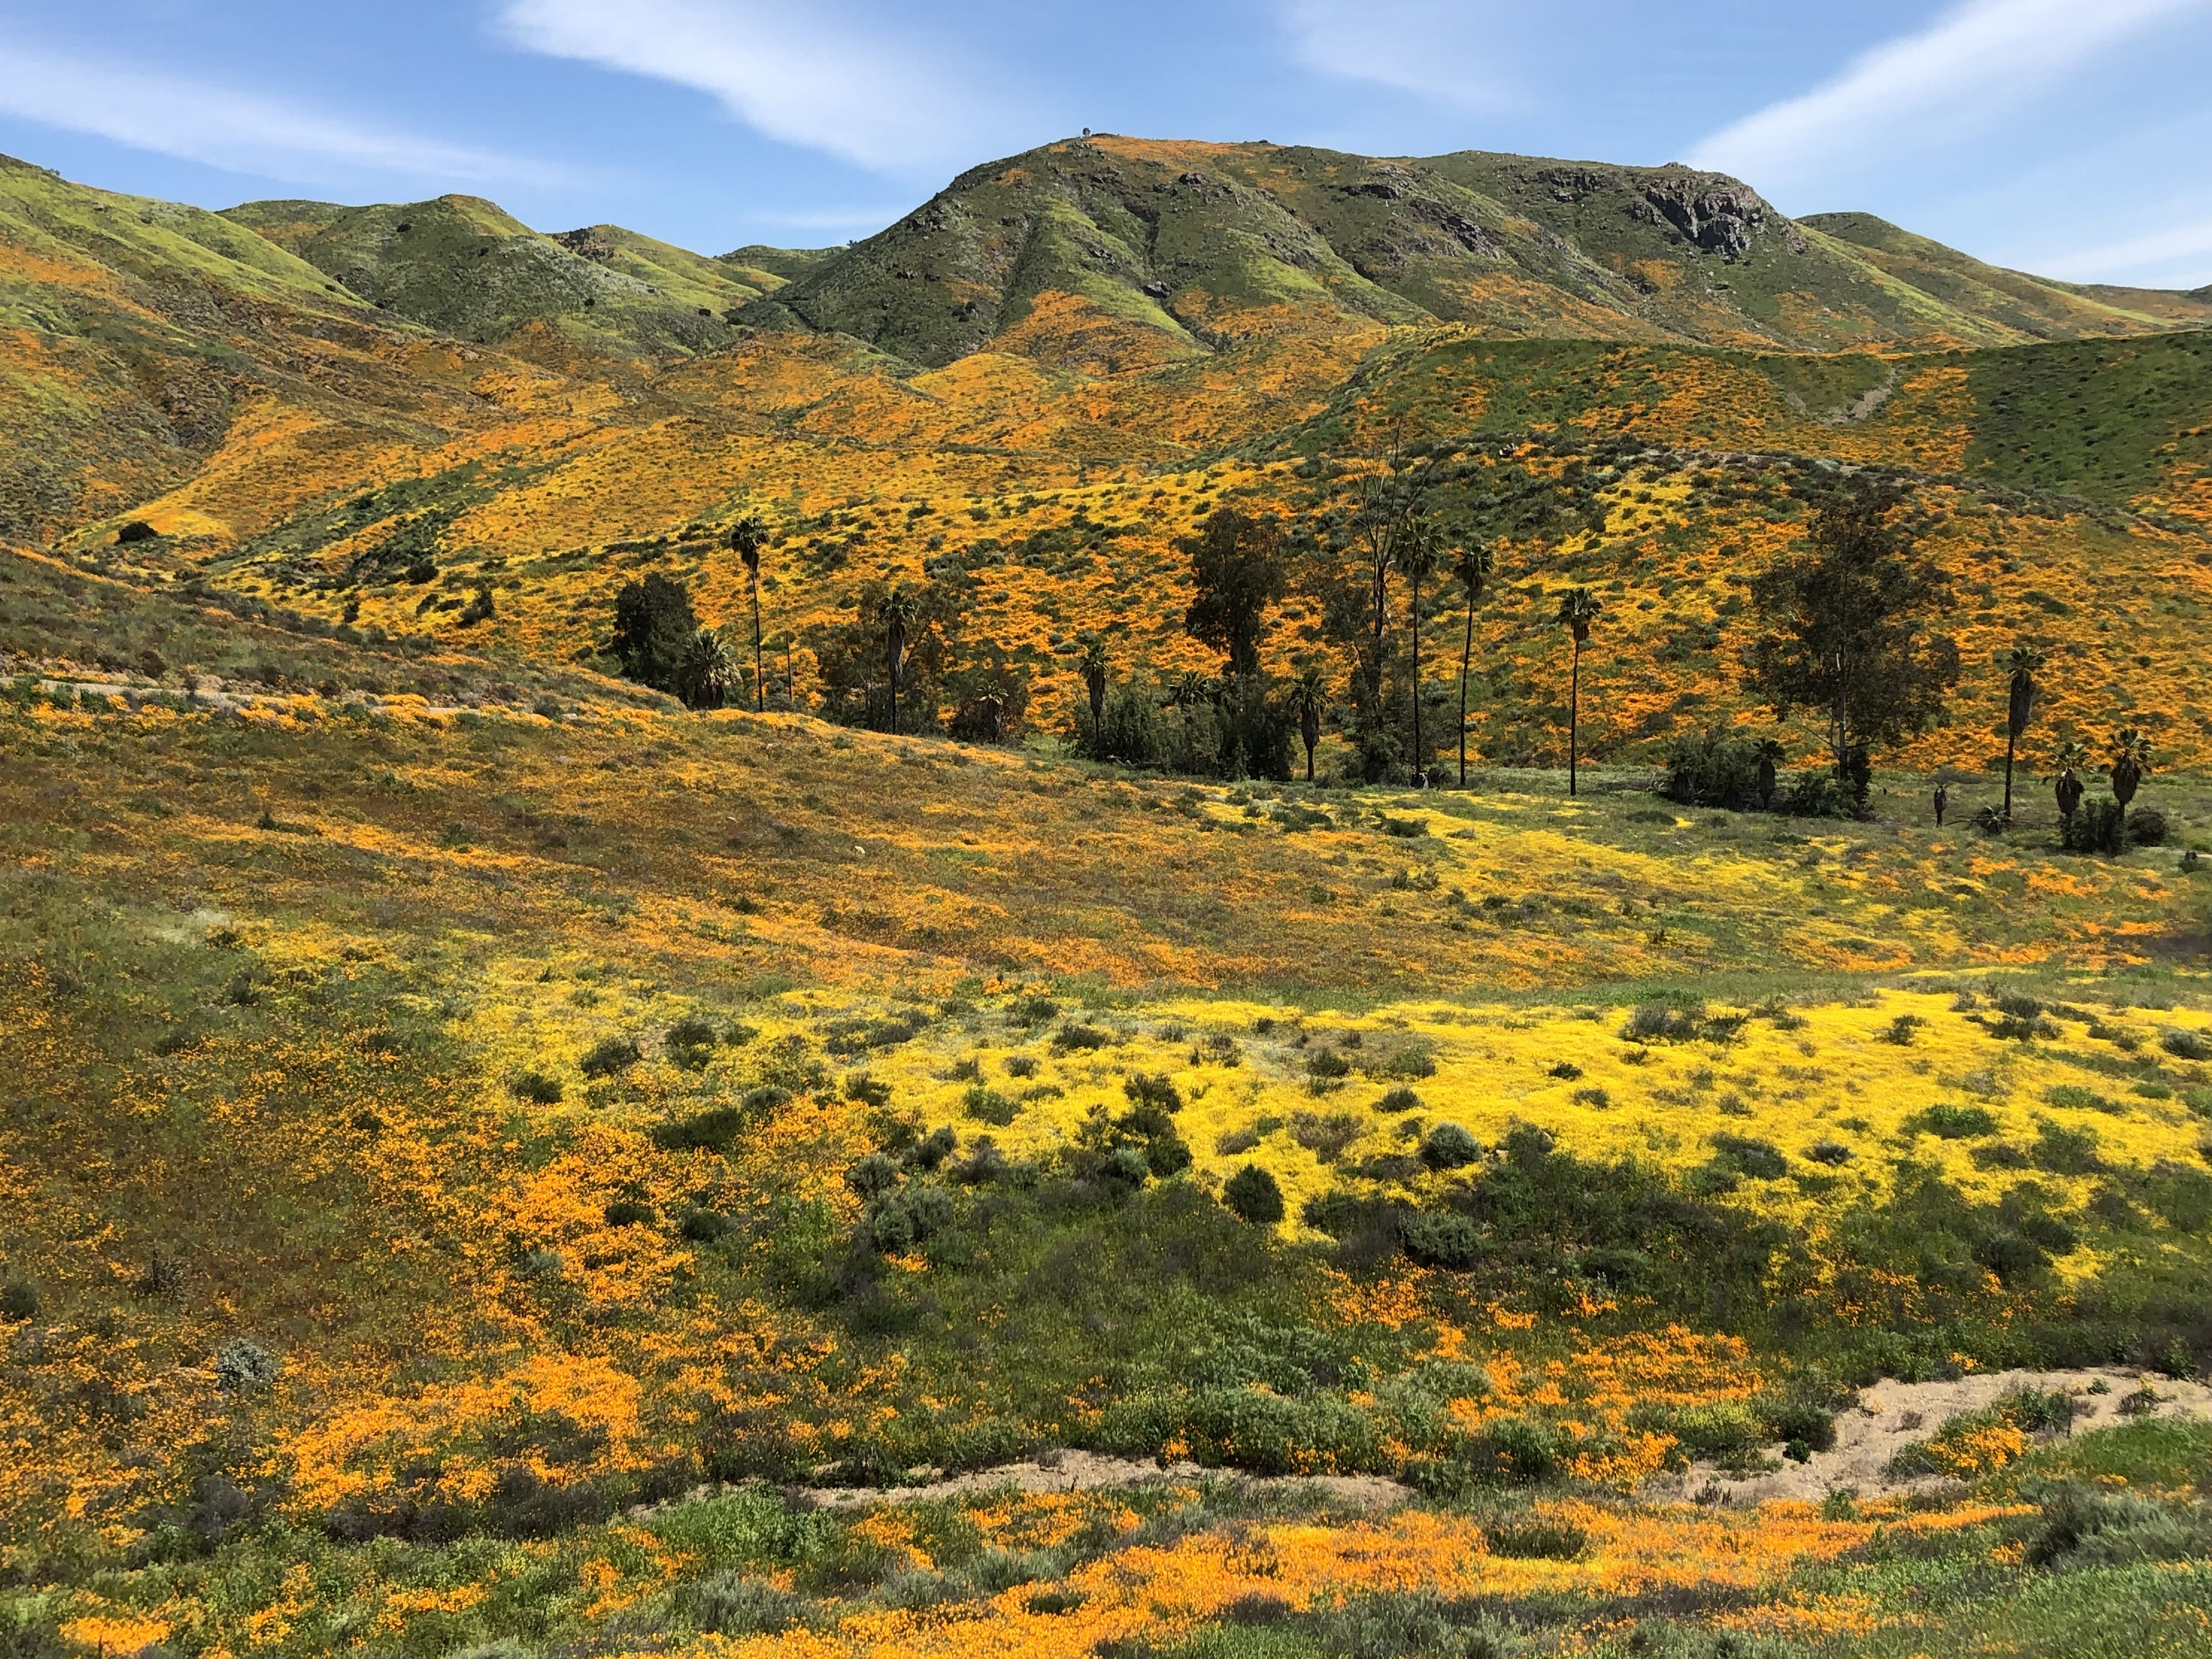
{"points": [[2065, 136]]}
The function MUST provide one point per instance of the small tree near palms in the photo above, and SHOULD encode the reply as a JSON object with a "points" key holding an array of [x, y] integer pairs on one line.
{"points": [[1771, 754], [1578, 609], [1473, 565], [1416, 554], [2020, 664], [747, 536], [2130, 761], [2072, 759], [900, 610], [1307, 695]]}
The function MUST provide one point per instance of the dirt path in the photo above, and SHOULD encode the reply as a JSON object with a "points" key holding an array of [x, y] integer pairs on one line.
{"points": [[1891, 1415], [1081, 1471]]}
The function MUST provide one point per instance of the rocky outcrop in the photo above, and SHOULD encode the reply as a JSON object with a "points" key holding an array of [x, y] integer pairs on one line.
{"points": [[1717, 215]]}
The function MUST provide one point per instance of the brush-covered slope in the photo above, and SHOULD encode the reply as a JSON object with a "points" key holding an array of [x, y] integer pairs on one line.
{"points": [[463, 267], [1123, 253]]}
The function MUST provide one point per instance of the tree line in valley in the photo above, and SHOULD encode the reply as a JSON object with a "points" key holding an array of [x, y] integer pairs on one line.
{"points": [[1849, 631]]}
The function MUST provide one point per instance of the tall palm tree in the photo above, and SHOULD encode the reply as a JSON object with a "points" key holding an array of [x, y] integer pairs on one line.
{"points": [[2130, 760], [1419, 550], [703, 681], [900, 610], [1094, 683], [2072, 759], [747, 536], [1475, 566], [2020, 664], [1381, 520], [1307, 695], [1578, 609]]}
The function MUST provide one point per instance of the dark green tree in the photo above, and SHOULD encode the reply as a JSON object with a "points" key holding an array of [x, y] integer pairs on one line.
{"points": [[747, 536], [2020, 664], [1473, 565], [655, 625], [1237, 570], [1849, 627], [1578, 609], [1418, 552]]}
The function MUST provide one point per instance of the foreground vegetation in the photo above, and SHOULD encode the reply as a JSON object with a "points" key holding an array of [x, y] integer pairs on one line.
{"points": [[441, 1133]]}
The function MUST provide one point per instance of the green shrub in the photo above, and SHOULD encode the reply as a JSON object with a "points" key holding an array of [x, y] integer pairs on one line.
{"points": [[629, 1212], [536, 1088], [691, 1032], [1019, 1066], [1956, 1122], [713, 1131], [242, 1365], [1832, 1152], [1537, 1541], [2147, 827], [1325, 1136], [1449, 1146], [729, 1604], [1076, 1037], [19, 1300], [1145, 1089], [987, 1105], [2183, 1043], [702, 1226], [1254, 1196], [1328, 1063], [2097, 826], [2073, 1098], [2061, 1150], [609, 1056], [1762, 1160], [1400, 1099], [864, 1089], [1442, 1240]]}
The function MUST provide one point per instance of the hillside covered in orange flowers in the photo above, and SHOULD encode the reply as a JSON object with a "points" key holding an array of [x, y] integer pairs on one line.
{"points": [[1032, 388], [496, 1162]]}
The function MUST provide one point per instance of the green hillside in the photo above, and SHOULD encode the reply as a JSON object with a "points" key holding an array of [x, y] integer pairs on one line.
{"points": [[462, 266], [1194, 245]]}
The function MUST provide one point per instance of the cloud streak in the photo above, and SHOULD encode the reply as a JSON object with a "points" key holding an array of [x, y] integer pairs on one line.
{"points": [[238, 132], [1444, 51], [1980, 60], [802, 74]]}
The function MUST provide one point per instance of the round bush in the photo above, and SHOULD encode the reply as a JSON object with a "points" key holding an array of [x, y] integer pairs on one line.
{"points": [[1254, 1196], [1400, 1099], [536, 1088], [1449, 1147], [243, 1364]]}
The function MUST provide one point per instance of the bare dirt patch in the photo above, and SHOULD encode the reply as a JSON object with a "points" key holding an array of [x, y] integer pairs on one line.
{"points": [[1892, 1414]]}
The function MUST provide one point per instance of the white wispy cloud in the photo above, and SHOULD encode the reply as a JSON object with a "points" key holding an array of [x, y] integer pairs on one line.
{"points": [[805, 75], [2176, 254], [1447, 50], [221, 126], [1977, 61]]}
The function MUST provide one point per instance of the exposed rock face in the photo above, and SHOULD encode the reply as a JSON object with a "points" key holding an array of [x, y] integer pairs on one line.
{"points": [[1721, 219]]}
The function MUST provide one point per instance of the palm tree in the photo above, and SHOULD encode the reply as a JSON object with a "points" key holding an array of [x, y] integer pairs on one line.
{"points": [[1473, 566], [1381, 520], [1307, 695], [900, 610], [747, 536], [2130, 760], [2021, 663], [1094, 683], [1418, 549], [2073, 757], [1770, 755], [1578, 609], [707, 671]]}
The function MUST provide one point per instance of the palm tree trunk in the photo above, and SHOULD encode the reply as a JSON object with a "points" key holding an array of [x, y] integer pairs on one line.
{"points": [[1574, 719], [1466, 652], [760, 684], [2011, 741]]}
